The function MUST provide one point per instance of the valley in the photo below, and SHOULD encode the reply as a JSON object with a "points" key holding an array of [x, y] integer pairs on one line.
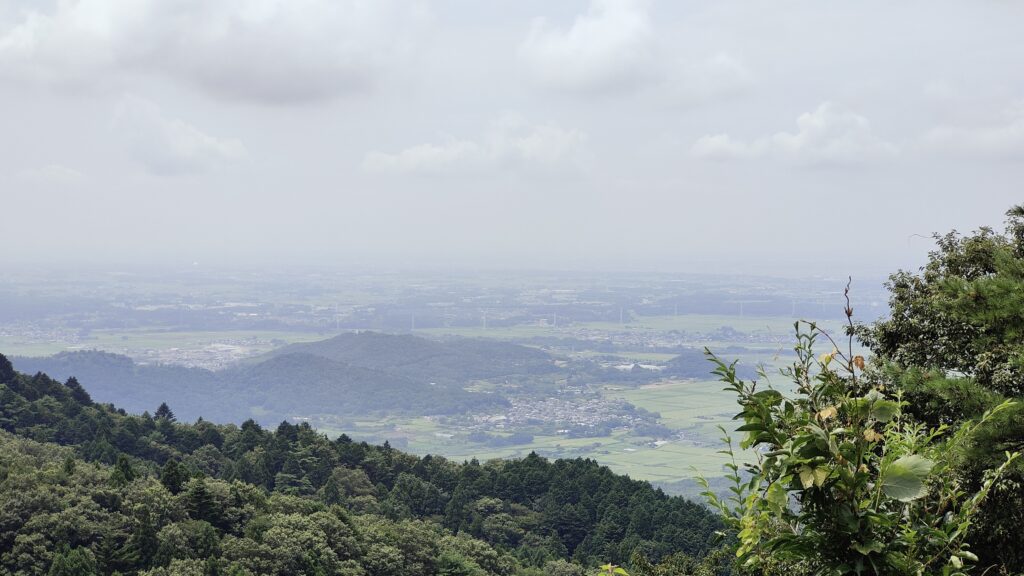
{"points": [[564, 367]]}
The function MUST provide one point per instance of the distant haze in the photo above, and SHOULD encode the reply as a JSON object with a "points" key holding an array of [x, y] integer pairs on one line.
{"points": [[621, 134]]}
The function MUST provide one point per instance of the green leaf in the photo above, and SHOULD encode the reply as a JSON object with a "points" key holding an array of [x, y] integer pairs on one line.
{"points": [[768, 395], [884, 410], [776, 496], [904, 478]]}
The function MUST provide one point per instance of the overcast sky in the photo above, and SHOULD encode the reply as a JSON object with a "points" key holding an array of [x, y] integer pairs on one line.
{"points": [[814, 136]]}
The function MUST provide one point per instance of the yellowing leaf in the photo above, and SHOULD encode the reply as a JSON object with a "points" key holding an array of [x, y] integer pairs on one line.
{"points": [[871, 436], [827, 413], [820, 475], [806, 477]]}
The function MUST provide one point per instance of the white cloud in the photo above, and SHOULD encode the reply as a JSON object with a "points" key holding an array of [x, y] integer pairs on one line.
{"points": [[613, 46], [1003, 140], [718, 76], [53, 174], [509, 142], [271, 51], [830, 135], [170, 146], [609, 47], [723, 147], [430, 158]]}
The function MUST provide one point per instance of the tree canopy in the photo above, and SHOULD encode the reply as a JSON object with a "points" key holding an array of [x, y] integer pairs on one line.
{"points": [[143, 494]]}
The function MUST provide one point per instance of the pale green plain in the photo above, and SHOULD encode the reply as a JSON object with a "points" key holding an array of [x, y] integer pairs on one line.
{"points": [[142, 339]]}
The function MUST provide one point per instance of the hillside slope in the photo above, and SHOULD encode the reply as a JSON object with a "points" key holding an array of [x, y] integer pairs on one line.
{"points": [[350, 374], [302, 384], [456, 360], [333, 506]]}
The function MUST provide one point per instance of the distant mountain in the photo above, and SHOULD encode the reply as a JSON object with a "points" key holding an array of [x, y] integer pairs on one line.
{"points": [[303, 384], [455, 360], [359, 373], [693, 363], [117, 379]]}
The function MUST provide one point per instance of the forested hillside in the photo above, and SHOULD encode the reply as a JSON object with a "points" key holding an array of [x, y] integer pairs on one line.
{"points": [[357, 373], [113, 377], [148, 493], [454, 360]]}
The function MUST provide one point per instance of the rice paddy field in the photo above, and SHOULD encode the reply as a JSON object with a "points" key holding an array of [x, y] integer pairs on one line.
{"points": [[695, 408], [638, 457]]}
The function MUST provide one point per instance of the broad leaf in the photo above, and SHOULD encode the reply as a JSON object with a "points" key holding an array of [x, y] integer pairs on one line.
{"points": [[777, 496], [884, 410], [904, 478], [806, 477]]}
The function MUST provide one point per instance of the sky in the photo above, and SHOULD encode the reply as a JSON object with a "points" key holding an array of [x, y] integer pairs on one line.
{"points": [[806, 136]]}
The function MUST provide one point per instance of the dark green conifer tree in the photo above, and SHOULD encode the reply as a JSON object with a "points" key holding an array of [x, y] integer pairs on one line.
{"points": [[201, 504], [123, 472], [73, 562], [173, 476], [164, 411], [78, 393], [7, 373], [69, 466], [954, 345], [143, 543]]}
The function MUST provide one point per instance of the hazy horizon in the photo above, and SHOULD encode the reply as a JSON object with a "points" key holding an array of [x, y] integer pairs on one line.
{"points": [[457, 268]]}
